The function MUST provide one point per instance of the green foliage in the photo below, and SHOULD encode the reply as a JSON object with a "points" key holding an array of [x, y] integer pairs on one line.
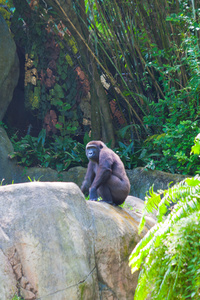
{"points": [[1, 183], [63, 97], [133, 158], [154, 50], [126, 154], [34, 179], [180, 102], [50, 84], [168, 151], [169, 254], [2, 124], [17, 298], [173, 148], [180, 78], [59, 154], [6, 8], [196, 148], [50, 77]]}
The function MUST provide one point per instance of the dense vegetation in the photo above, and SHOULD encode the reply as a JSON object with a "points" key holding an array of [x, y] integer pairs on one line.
{"points": [[148, 56], [169, 254]]}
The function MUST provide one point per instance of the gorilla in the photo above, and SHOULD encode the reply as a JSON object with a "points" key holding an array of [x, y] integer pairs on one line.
{"points": [[106, 176]]}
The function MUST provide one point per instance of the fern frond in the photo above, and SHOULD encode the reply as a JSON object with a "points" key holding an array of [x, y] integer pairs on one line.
{"points": [[150, 204], [151, 105], [141, 249], [167, 251], [180, 263], [142, 290], [164, 280], [179, 192], [154, 236]]}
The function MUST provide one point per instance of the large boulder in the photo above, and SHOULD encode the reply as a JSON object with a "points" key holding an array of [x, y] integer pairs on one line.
{"points": [[56, 246], [115, 236], [9, 67], [8, 169], [142, 180]]}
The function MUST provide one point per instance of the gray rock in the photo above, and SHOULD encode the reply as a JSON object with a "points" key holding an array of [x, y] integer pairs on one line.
{"points": [[8, 285], [55, 245], [75, 174], [9, 67], [134, 206], [142, 180], [47, 238], [116, 234], [8, 168]]}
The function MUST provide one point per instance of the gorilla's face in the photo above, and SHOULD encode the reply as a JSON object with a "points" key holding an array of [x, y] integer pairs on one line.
{"points": [[92, 153]]}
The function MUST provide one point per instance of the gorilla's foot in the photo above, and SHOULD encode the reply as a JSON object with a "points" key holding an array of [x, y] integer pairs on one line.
{"points": [[109, 202]]}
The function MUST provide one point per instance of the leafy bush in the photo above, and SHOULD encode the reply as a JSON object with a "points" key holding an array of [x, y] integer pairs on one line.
{"points": [[134, 156], [59, 153], [175, 118], [6, 6], [169, 254], [196, 148], [172, 148], [168, 151], [127, 155], [179, 74]]}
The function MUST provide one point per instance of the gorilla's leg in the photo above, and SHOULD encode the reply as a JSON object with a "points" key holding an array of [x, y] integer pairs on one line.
{"points": [[105, 193], [114, 191], [118, 189]]}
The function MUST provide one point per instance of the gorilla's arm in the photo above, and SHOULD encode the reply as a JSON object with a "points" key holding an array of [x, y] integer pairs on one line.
{"points": [[89, 177], [104, 169], [103, 173]]}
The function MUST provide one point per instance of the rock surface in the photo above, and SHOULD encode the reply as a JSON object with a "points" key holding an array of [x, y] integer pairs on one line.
{"points": [[57, 246], [142, 180], [9, 67], [8, 168]]}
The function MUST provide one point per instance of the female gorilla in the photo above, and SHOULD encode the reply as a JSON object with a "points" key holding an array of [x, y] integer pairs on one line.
{"points": [[106, 175]]}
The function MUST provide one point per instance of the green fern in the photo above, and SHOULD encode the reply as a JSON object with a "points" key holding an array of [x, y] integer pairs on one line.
{"points": [[169, 254], [17, 298]]}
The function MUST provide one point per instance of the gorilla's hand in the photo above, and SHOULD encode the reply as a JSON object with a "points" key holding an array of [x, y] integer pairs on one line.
{"points": [[93, 194], [84, 187]]}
